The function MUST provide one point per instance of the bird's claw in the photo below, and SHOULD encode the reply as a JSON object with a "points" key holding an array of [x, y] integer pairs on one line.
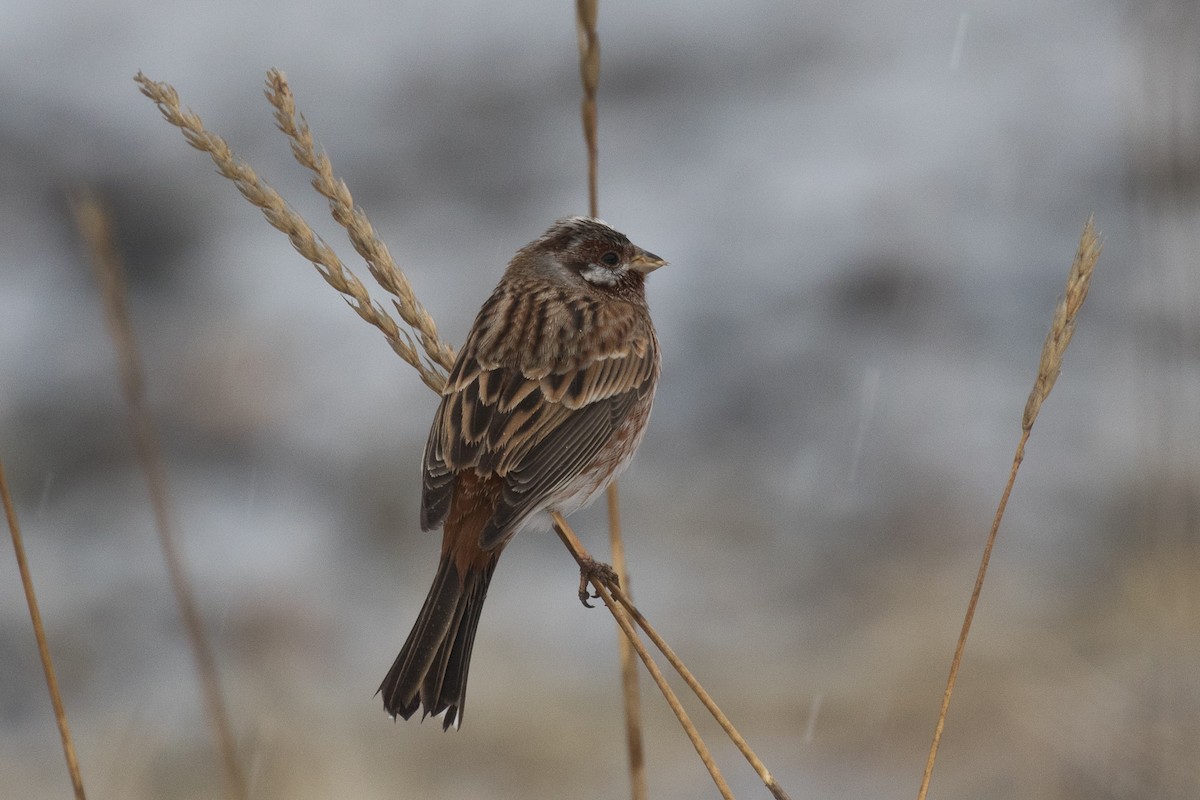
{"points": [[590, 569]]}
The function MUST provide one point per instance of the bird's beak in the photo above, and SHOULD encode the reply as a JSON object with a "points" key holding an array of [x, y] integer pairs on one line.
{"points": [[645, 262]]}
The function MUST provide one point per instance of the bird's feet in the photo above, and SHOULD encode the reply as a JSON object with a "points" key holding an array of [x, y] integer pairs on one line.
{"points": [[591, 569]]}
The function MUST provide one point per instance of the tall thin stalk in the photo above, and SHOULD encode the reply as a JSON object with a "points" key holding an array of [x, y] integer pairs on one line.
{"points": [[95, 226], [1061, 329], [589, 74], [39, 632]]}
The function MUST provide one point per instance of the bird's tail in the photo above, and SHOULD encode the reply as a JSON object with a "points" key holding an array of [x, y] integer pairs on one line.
{"points": [[431, 670]]}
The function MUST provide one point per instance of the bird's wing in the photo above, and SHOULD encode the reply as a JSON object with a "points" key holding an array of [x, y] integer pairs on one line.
{"points": [[534, 423]]}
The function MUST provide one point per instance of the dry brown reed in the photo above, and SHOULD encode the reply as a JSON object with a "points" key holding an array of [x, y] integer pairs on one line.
{"points": [[95, 226], [606, 592], [626, 602], [284, 219], [589, 73], [630, 693], [1061, 329], [359, 229], [39, 632], [436, 351]]}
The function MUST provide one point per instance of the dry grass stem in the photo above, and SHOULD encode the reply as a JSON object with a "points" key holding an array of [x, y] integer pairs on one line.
{"points": [[1061, 329], [284, 219], [568, 537], [39, 632], [620, 595], [362, 234], [738, 740], [96, 229], [589, 73], [629, 678]]}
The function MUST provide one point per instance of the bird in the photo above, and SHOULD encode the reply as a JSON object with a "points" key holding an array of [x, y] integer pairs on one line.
{"points": [[543, 408]]}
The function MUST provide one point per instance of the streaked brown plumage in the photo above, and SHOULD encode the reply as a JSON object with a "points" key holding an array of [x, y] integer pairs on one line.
{"points": [[544, 407]]}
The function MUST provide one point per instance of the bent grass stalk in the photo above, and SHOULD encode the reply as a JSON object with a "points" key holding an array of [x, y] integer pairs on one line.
{"points": [[435, 351], [604, 591], [39, 632], [1049, 365], [284, 219], [581, 556], [96, 228], [361, 233]]}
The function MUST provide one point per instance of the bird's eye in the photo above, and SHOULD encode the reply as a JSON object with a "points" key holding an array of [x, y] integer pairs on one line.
{"points": [[610, 259]]}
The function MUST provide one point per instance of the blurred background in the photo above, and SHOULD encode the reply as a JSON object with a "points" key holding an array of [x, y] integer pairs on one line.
{"points": [[869, 210]]}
